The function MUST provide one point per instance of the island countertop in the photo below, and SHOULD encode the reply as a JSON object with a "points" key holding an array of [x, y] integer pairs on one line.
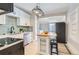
{"points": [[47, 35]]}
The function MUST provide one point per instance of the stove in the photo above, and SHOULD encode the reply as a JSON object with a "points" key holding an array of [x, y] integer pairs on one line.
{"points": [[8, 40]]}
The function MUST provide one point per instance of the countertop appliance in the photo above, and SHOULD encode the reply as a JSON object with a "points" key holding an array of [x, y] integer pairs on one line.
{"points": [[8, 40]]}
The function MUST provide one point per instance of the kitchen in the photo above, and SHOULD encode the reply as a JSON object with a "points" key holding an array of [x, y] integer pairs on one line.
{"points": [[25, 33], [13, 26]]}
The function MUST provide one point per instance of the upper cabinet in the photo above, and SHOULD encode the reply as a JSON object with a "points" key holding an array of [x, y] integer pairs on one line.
{"points": [[23, 17], [2, 19]]}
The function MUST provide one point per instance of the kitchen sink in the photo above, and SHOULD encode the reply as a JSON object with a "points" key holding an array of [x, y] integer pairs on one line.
{"points": [[8, 40]]}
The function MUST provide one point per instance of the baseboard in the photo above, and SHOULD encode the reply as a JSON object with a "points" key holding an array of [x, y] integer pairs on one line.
{"points": [[72, 49]]}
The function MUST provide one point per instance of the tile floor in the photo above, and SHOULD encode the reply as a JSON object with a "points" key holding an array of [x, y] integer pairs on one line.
{"points": [[32, 49], [62, 49]]}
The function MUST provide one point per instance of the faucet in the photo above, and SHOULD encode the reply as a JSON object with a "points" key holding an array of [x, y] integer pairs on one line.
{"points": [[11, 29]]}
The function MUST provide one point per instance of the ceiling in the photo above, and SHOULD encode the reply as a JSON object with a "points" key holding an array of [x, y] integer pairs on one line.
{"points": [[48, 8]]}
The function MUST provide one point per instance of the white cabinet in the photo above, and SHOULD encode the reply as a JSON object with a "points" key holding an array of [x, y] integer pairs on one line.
{"points": [[2, 19], [44, 45], [24, 19]]}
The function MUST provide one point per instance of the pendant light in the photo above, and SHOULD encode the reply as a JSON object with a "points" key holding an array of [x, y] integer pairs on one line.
{"points": [[37, 10]]}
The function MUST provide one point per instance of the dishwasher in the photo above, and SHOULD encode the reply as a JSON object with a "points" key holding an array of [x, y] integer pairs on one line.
{"points": [[27, 38]]}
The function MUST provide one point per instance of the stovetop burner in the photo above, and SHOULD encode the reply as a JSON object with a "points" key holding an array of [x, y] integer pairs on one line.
{"points": [[8, 40]]}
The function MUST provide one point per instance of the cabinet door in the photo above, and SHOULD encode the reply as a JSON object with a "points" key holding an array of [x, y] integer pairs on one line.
{"points": [[27, 20], [20, 21], [2, 19], [44, 46], [24, 19]]}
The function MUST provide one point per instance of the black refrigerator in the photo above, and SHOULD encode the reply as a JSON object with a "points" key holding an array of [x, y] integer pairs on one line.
{"points": [[61, 32]]}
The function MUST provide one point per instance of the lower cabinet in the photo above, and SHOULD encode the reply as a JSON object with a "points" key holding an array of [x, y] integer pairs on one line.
{"points": [[44, 45], [17, 49]]}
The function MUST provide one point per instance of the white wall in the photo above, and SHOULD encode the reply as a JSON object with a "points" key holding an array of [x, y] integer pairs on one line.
{"points": [[53, 19], [73, 31], [33, 25]]}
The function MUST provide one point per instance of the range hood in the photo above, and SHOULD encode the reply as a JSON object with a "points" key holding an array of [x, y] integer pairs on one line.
{"points": [[6, 8]]}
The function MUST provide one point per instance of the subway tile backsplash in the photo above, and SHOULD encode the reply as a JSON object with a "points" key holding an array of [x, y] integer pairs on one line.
{"points": [[11, 21]]}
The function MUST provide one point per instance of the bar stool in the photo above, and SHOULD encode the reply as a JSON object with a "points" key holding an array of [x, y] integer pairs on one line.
{"points": [[54, 46]]}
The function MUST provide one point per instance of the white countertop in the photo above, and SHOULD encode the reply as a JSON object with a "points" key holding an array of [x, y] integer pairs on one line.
{"points": [[20, 35], [6, 46], [11, 36]]}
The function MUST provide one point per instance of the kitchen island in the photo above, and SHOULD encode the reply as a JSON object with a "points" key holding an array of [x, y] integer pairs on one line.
{"points": [[44, 43], [34, 48]]}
